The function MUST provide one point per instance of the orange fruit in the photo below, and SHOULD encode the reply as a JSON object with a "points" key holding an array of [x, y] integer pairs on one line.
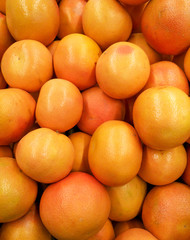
{"points": [[80, 141], [163, 167], [44, 155], [115, 153], [186, 63], [161, 116], [17, 61], [133, 2], [28, 227], [166, 25], [6, 151], [6, 39], [166, 211], [166, 73], [123, 226], [75, 60], [106, 232], [70, 12], [136, 234], [3, 83], [188, 140], [186, 173], [126, 200], [17, 109], [98, 108], [2, 6], [17, 192], [106, 21], [75, 208], [136, 12], [122, 70], [139, 40], [59, 105], [52, 46], [38, 19]]}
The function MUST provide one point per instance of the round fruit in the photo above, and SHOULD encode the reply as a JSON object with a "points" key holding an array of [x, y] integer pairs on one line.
{"points": [[98, 108], [44, 155], [166, 211], [161, 116], [75, 59], [115, 153], [106, 21], [130, 197], [59, 106], [122, 70], [17, 114], [36, 19], [17, 61], [17, 191], [163, 167], [75, 208], [166, 25], [28, 227]]}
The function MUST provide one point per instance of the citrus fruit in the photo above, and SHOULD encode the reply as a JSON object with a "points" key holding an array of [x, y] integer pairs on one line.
{"points": [[75, 208], [161, 116], [122, 70], [136, 234], [115, 153]]}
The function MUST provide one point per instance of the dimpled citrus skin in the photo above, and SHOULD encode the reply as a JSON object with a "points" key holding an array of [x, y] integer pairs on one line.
{"points": [[161, 116], [38, 19], [122, 70], [75, 208]]}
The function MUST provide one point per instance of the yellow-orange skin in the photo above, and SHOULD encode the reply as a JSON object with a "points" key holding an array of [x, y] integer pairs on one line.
{"points": [[37, 19], [98, 108], [75, 208], [166, 211], [27, 64], [6, 151], [44, 155], [161, 116], [166, 73], [139, 40], [166, 25], [122, 70], [59, 105], [106, 21], [80, 141], [187, 63], [123, 226], [115, 153], [136, 234], [163, 167], [186, 174], [17, 192], [75, 60], [179, 60], [106, 233], [70, 12], [28, 227], [6, 39], [126, 200], [17, 109]]}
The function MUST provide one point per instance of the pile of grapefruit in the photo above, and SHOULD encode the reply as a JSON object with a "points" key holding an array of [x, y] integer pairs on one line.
{"points": [[94, 119]]}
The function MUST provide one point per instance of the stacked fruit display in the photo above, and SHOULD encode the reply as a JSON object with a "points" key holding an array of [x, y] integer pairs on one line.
{"points": [[94, 120]]}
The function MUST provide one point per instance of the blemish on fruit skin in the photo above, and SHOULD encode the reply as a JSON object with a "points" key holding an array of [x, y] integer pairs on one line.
{"points": [[124, 49]]}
